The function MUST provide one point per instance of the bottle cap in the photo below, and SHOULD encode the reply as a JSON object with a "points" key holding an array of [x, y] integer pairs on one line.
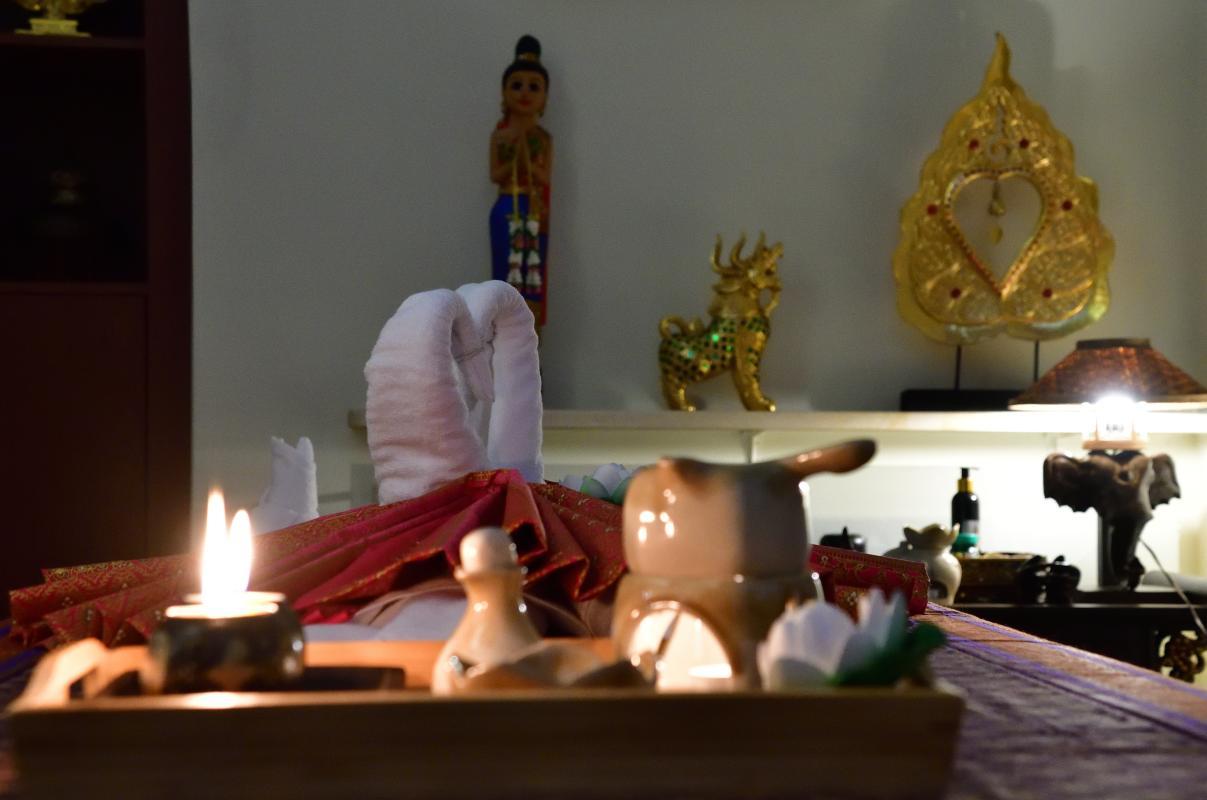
{"points": [[964, 484], [487, 550]]}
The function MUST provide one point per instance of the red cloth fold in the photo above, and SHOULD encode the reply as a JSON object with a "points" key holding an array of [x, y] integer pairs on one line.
{"points": [[847, 574], [331, 566]]}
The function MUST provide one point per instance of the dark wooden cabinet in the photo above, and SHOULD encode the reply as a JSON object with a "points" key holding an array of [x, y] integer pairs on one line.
{"points": [[95, 289], [1128, 626]]}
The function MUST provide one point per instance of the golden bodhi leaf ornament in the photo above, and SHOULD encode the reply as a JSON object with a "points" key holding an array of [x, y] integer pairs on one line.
{"points": [[1002, 234]]}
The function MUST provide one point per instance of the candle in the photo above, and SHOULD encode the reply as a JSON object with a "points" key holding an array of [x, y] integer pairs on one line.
{"points": [[687, 654], [225, 638]]}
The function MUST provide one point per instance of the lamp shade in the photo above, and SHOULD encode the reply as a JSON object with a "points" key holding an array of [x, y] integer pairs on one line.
{"points": [[1101, 367]]}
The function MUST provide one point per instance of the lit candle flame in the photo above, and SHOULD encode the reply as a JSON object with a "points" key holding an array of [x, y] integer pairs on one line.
{"points": [[225, 555]]}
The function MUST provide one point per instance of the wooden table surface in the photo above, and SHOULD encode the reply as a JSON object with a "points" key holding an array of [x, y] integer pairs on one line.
{"points": [[1042, 721]]}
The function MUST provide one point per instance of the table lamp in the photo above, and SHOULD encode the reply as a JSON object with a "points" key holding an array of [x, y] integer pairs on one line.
{"points": [[1114, 382]]}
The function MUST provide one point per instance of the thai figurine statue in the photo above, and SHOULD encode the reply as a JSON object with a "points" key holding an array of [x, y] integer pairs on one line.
{"points": [[521, 163], [734, 340]]}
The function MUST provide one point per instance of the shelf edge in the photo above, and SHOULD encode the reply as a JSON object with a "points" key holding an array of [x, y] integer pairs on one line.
{"points": [[991, 422]]}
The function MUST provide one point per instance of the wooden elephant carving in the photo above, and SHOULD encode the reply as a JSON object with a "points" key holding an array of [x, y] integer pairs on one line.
{"points": [[1123, 488]]}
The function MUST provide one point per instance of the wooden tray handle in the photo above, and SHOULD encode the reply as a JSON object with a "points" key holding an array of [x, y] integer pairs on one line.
{"points": [[50, 684]]}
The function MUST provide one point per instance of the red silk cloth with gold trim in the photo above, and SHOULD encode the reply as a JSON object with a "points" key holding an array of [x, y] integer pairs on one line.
{"points": [[846, 575], [331, 566]]}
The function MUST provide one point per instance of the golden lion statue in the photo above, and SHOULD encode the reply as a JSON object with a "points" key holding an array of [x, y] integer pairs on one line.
{"points": [[735, 338]]}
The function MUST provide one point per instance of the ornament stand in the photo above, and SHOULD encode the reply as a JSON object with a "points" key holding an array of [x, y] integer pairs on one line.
{"points": [[960, 399]]}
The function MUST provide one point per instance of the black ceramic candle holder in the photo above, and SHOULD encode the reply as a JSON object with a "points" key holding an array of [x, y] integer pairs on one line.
{"points": [[253, 645]]}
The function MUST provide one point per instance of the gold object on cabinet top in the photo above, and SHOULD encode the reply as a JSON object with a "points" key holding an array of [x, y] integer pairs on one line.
{"points": [[733, 341], [1002, 234], [55, 22]]}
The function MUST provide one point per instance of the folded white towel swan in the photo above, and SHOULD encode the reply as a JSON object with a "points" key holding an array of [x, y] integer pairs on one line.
{"points": [[454, 386], [292, 495]]}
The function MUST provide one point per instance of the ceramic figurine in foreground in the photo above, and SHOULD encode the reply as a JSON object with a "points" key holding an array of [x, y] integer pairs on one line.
{"points": [[1002, 235], [55, 22], [932, 547], [496, 646], [521, 164], [734, 340], [495, 627], [715, 552]]}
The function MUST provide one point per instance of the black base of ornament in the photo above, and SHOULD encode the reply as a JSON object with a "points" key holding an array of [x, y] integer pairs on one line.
{"points": [[957, 399]]}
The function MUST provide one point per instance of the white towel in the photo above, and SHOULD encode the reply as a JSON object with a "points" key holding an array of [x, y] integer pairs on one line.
{"points": [[454, 386], [417, 418], [506, 327], [292, 494]]}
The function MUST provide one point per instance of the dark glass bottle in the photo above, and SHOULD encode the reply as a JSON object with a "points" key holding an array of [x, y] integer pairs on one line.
{"points": [[966, 513]]}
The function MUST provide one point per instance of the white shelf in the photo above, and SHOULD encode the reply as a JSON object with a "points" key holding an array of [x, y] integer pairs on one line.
{"points": [[1056, 422], [870, 421]]}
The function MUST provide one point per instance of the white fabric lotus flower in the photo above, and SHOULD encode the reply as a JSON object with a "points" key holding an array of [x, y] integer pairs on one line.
{"points": [[608, 482], [809, 645]]}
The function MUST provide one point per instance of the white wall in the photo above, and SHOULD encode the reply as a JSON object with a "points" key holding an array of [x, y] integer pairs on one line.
{"points": [[340, 165]]}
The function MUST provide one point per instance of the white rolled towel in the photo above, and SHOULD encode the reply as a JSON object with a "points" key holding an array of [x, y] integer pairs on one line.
{"points": [[292, 494], [508, 331], [416, 413], [454, 386]]}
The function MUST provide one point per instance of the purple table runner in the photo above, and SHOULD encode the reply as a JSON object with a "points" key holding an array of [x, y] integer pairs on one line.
{"points": [[1046, 721]]}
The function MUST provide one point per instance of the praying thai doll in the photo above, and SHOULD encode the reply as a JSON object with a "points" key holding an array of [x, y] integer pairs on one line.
{"points": [[521, 162]]}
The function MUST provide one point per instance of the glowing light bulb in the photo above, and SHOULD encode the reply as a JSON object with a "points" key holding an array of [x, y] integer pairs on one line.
{"points": [[1114, 422]]}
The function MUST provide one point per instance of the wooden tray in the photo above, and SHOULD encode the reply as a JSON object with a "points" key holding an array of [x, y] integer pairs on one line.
{"points": [[863, 743]]}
